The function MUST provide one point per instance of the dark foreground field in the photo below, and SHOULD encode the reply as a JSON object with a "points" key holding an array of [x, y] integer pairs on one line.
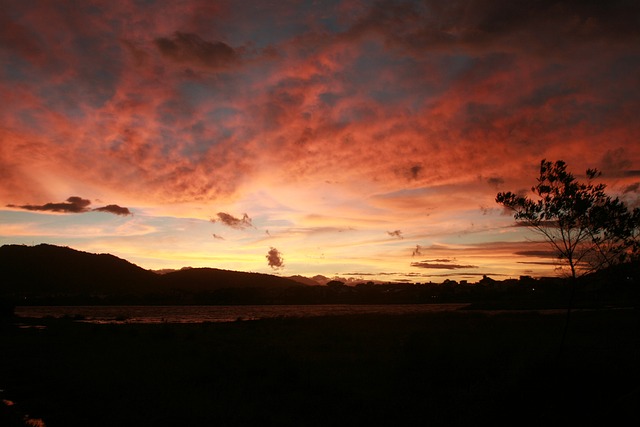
{"points": [[432, 369]]}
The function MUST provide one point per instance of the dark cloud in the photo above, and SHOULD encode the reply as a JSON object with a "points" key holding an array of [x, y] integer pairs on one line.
{"points": [[544, 223], [441, 264], [191, 48], [415, 171], [495, 181], [114, 209], [615, 162], [233, 222], [395, 233], [467, 275], [74, 204], [538, 263], [411, 173], [633, 188], [17, 37], [417, 251], [540, 254], [504, 24], [274, 259]]}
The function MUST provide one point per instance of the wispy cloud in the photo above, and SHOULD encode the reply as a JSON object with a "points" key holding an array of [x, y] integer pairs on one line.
{"points": [[537, 253], [233, 222], [396, 234]]}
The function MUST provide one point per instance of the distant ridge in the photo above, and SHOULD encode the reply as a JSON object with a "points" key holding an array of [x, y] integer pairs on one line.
{"points": [[304, 280], [49, 270], [208, 279]]}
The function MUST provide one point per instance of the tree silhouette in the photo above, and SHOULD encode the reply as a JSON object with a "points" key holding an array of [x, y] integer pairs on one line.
{"points": [[587, 229]]}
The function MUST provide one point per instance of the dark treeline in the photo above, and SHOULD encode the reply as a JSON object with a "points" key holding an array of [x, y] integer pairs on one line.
{"points": [[51, 275], [523, 293]]}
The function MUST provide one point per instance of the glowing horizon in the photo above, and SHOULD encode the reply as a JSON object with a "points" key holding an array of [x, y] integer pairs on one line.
{"points": [[360, 139]]}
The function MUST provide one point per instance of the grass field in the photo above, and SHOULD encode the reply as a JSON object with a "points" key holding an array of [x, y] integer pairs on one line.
{"points": [[455, 368]]}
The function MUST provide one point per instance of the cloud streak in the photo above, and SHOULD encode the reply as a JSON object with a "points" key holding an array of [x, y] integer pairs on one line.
{"points": [[114, 209], [74, 204], [441, 264]]}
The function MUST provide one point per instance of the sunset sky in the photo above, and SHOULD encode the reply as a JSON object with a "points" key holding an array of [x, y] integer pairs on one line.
{"points": [[351, 139]]}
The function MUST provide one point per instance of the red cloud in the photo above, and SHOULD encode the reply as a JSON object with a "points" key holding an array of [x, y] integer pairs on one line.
{"points": [[446, 265], [391, 95]]}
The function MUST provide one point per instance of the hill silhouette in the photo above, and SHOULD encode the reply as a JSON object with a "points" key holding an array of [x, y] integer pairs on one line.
{"points": [[210, 279], [53, 272], [50, 269]]}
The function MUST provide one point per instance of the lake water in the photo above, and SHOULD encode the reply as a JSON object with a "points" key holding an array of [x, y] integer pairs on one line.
{"points": [[227, 313]]}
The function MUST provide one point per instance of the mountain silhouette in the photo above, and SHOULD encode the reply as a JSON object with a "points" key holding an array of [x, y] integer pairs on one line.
{"points": [[49, 270]]}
